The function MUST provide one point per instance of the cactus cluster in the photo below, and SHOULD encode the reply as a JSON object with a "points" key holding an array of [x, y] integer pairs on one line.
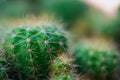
{"points": [[96, 58], [30, 49], [40, 53], [62, 68]]}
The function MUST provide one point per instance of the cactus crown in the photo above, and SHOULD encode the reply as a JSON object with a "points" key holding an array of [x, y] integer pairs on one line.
{"points": [[61, 64]]}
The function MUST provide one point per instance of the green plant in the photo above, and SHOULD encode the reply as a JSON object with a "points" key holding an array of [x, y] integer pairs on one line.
{"points": [[67, 10], [63, 76], [30, 49], [3, 68], [61, 68], [97, 57]]}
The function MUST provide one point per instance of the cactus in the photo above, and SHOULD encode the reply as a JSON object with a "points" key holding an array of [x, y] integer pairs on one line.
{"points": [[3, 68], [63, 76], [30, 49], [61, 68], [97, 57]]}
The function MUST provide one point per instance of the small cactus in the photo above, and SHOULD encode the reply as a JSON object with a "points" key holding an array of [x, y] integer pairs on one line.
{"points": [[31, 48], [61, 68], [97, 58]]}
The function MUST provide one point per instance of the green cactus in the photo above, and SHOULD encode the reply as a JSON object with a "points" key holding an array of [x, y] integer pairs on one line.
{"points": [[3, 68], [31, 48], [67, 10], [97, 58], [61, 68], [63, 76]]}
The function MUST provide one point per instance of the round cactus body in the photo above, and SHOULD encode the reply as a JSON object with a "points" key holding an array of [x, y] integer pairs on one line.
{"points": [[97, 58], [31, 48]]}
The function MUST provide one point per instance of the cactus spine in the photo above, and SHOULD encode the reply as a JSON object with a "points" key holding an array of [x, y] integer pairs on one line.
{"points": [[30, 49]]}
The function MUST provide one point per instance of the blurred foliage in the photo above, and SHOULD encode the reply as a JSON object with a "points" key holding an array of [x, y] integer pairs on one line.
{"points": [[95, 23], [68, 10], [104, 26], [94, 53], [113, 28], [18, 8]]}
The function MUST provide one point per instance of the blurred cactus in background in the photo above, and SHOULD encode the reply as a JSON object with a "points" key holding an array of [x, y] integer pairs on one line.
{"points": [[96, 57]]}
